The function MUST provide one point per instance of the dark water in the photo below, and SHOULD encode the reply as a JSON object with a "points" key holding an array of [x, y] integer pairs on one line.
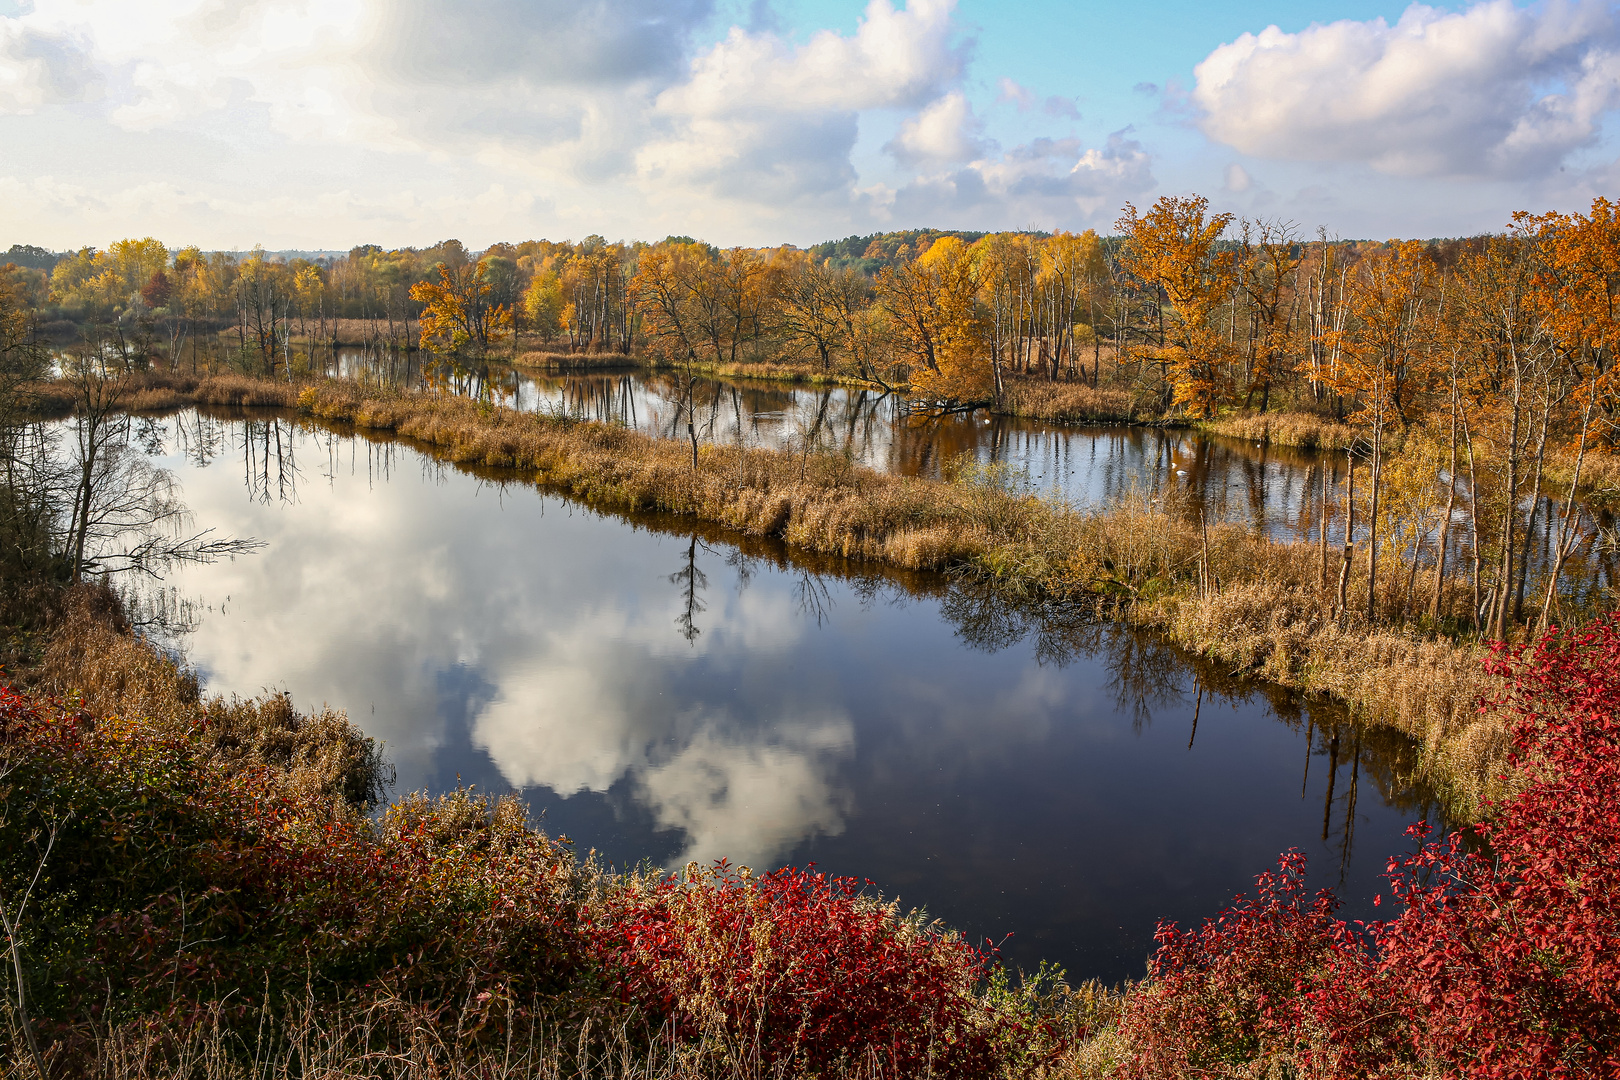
{"points": [[662, 693], [1275, 490]]}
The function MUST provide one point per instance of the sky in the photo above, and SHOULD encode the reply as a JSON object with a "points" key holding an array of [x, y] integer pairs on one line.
{"points": [[328, 123]]}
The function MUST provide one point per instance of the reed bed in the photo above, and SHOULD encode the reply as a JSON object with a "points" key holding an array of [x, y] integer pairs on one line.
{"points": [[156, 391], [1304, 430], [92, 657], [789, 371], [551, 360], [1072, 403], [1223, 593]]}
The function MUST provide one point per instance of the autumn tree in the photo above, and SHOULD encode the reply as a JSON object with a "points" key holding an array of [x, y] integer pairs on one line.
{"points": [[1267, 270], [932, 301], [1173, 248], [1390, 302], [458, 313]]}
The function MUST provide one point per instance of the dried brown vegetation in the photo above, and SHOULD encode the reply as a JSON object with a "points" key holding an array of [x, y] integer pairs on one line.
{"points": [[1305, 430], [94, 658], [1072, 403], [153, 391], [544, 360]]}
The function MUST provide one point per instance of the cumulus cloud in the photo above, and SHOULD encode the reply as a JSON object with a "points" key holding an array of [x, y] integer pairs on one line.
{"points": [[1494, 91], [945, 132], [1021, 96], [762, 119], [1050, 181], [1060, 106], [616, 110]]}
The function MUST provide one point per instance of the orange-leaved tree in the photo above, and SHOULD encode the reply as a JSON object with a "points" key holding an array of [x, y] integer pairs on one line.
{"points": [[457, 312], [1575, 295], [1390, 298], [932, 302], [1172, 248]]}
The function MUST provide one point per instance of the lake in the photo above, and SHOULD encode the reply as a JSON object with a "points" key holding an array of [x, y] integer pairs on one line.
{"points": [[660, 692]]}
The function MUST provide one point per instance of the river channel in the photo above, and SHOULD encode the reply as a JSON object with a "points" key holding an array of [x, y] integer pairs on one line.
{"points": [[661, 693]]}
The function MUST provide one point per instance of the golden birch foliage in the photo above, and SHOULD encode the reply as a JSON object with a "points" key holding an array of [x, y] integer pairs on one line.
{"points": [[1575, 295], [308, 285], [932, 302], [543, 304], [107, 279], [1172, 247], [667, 292], [456, 312], [1390, 297]]}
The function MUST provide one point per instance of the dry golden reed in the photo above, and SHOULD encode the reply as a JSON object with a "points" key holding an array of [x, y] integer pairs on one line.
{"points": [[92, 657], [1304, 430], [1072, 403]]}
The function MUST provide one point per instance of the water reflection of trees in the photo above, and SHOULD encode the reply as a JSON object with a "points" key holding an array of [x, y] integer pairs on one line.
{"points": [[87, 495], [1146, 676], [691, 583], [1284, 492]]}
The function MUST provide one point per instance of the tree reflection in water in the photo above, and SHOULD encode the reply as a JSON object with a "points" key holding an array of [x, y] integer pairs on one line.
{"points": [[1145, 673]]}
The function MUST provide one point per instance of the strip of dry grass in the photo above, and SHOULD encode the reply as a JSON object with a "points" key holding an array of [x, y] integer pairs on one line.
{"points": [[1242, 600], [155, 391], [1072, 403], [551, 360], [1304, 430], [92, 657]]}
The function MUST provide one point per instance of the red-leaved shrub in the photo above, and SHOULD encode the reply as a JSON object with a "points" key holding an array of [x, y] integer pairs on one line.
{"points": [[1501, 963], [804, 969], [1513, 961]]}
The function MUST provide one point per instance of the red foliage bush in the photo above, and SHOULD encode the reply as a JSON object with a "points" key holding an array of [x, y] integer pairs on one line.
{"points": [[805, 968], [1503, 965], [1514, 961]]}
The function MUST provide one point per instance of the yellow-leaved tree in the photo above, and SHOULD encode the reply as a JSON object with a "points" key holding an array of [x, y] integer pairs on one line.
{"points": [[1172, 248], [932, 302], [457, 313]]}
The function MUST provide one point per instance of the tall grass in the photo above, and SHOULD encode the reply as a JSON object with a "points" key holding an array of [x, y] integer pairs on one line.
{"points": [[92, 658], [1073, 403], [1305, 430], [154, 391], [1222, 592]]}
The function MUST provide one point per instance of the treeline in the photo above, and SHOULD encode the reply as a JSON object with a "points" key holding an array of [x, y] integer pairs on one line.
{"points": [[1475, 378]]}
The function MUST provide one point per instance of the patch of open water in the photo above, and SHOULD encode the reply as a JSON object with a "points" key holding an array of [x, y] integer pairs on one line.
{"points": [[662, 692]]}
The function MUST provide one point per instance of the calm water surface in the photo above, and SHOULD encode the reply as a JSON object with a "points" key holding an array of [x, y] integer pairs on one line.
{"points": [[1276, 490], [664, 694]]}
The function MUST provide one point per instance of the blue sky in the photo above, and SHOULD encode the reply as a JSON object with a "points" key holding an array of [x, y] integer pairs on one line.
{"points": [[325, 123]]}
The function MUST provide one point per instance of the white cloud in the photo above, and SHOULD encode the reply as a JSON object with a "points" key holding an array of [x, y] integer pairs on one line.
{"points": [[563, 116], [42, 67], [1493, 91], [764, 121], [1236, 178], [945, 132], [1061, 106], [1051, 182]]}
